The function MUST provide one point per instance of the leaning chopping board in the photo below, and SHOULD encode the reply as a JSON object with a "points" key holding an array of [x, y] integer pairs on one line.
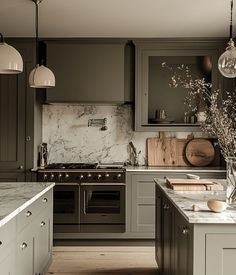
{"points": [[200, 152], [165, 151]]}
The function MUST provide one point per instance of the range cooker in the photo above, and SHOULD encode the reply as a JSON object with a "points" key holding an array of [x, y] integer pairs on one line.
{"points": [[87, 197]]}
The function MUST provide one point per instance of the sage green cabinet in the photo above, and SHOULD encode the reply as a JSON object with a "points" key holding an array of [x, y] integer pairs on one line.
{"points": [[20, 113], [220, 254], [7, 260], [140, 203], [26, 240], [152, 91], [91, 71], [183, 246], [143, 202], [25, 251], [192, 248]]}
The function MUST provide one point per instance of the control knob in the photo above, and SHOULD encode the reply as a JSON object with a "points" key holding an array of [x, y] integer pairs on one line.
{"points": [[67, 175], [89, 175], [107, 175], [81, 176], [45, 176], [118, 176], [99, 176], [52, 176], [59, 176]]}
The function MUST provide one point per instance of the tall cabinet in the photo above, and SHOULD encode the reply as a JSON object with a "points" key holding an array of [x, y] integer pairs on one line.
{"points": [[20, 118]]}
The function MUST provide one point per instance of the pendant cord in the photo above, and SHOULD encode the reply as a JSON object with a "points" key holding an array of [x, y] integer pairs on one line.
{"points": [[37, 31], [231, 20], [1, 38]]}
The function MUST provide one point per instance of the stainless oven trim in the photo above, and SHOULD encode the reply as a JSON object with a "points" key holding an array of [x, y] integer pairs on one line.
{"points": [[100, 218], [101, 184]]}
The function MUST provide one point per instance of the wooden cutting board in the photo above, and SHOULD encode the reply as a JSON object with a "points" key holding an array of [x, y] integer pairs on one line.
{"points": [[189, 182], [200, 152], [165, 151]]}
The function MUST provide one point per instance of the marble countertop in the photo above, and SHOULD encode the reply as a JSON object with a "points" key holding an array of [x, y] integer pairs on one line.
{"points": [[174, 169], [16, 196], [183, 200]]}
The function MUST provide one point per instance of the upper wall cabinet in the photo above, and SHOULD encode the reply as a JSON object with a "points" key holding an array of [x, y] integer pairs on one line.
{"points": [[154, 99], [91, 71]]}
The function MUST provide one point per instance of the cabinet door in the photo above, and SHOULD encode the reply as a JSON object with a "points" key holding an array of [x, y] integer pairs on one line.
{"points": [[183, 246], [220, 254], [143, 203], [7, 260], [167, 233], [12, 122], [12, 177], [158, 222], [152, 79], [42, 241], [25, 252], [87, 72]]}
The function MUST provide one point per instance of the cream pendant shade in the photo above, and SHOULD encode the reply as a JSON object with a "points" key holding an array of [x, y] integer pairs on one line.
{"points": [[10, 60], [41, 77]]}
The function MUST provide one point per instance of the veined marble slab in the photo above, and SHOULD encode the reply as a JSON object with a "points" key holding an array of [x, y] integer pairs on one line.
{"points": [[16, 196], [183, 200]]}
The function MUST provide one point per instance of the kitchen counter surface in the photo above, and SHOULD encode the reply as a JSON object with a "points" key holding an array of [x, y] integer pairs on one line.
{"points": [[183, 201], [16, 196], [174, 169]]}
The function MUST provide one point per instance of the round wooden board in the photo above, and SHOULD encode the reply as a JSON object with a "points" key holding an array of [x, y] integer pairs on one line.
{"points": [[199, 152]]}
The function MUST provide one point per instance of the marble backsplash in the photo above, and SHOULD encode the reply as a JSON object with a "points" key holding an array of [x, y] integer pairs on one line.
{"points": [[69, 139]]}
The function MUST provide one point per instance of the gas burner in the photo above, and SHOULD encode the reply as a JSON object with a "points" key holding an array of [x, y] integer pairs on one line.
{"points": [[71, 166]]}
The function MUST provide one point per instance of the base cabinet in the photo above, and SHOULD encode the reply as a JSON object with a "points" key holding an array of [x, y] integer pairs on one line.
{"points": [[191, 249], [26, 245]]}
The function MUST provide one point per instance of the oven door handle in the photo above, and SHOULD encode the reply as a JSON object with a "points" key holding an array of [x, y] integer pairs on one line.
{"points": [[101, 184]]}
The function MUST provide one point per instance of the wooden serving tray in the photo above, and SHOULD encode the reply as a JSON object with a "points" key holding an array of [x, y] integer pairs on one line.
{"points": [[190, 182]]}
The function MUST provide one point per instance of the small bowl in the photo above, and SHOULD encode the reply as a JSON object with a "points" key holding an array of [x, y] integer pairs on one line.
{"points": [[216, 205]]}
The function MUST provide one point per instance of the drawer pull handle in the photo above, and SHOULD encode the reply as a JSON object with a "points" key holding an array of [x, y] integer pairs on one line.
{"points": [[185, 231], [0, 242], [42, 223], [28, 214], [23, 246], [44, 200]]}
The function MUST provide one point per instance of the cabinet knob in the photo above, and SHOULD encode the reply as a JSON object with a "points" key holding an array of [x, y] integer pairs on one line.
{"points": [[166, 206], [42, 223], [23, 246], [21, 167], [44, 200], [0, 242], [28, 214], [185, 231]]}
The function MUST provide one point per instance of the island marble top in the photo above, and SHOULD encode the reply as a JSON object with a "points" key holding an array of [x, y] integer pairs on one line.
{"points": [[16, 196], [183, 201]]}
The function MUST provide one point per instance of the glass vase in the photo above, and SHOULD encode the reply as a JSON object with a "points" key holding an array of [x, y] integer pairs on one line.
{"points": [[231, 181]]}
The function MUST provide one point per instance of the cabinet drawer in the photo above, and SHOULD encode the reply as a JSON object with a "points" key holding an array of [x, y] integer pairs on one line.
{"points": [[29, 213], [7, 234]]}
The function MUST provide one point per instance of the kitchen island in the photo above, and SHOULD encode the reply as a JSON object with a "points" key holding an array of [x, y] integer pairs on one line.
{"points": [[188, 242], [25, 227]]}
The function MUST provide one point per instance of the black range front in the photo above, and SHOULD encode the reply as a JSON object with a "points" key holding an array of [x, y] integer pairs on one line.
{"points": [[87, 200]]}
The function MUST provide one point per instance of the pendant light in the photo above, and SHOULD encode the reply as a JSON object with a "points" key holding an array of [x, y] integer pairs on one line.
{"points": [[227, 61], [40, 76], [10, 59]]}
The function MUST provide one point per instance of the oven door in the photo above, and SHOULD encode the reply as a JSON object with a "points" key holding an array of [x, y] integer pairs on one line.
{"points": [[102, 204], [66, 203]]}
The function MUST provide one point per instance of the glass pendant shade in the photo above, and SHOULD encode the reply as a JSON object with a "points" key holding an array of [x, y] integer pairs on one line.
{"points": [[227, 61], [41, 77], [10, 60]]}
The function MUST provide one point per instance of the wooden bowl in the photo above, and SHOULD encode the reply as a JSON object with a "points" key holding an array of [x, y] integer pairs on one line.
{"points": [[216, 205]]}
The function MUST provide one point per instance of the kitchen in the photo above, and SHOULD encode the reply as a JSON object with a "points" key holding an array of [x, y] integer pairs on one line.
{"points": [[93, 138]]}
